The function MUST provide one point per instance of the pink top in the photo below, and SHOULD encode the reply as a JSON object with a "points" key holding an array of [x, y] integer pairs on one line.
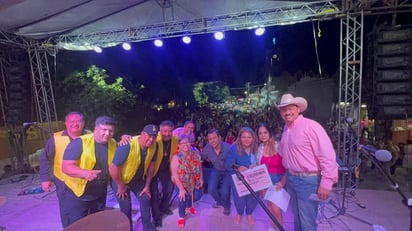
{"points": [[273, 163], [305, 147]]}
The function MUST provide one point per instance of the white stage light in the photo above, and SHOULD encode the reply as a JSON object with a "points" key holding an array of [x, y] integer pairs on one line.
{"points": [[219, 35], [98, 49], [260, 31], [186, 39], [126, 46], [158, 43]]}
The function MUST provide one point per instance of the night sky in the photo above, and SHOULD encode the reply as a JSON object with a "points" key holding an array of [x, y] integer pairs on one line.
{"points": [[241, 57]]}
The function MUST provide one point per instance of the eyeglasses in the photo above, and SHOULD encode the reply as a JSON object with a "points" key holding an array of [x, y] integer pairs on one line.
{"points": [[184, 143]]}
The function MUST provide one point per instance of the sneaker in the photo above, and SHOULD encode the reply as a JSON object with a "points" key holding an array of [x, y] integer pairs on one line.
{"points": [[181, 222], [216, 205], [250, 219], [191, 210], [238, 219]]}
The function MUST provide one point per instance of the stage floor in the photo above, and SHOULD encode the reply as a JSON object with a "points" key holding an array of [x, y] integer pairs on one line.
{"points": [[39, 212]]}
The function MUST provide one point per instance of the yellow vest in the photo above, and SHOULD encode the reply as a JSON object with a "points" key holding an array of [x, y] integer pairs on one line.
{"points": [[87, 161], [160, 152], [129, 167], [60, 144]]}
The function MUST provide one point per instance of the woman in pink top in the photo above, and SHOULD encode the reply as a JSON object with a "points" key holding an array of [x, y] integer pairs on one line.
{"points": [[268, 155]]}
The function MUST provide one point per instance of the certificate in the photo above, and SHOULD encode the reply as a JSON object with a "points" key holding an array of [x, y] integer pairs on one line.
{"points": [[258, 178]]}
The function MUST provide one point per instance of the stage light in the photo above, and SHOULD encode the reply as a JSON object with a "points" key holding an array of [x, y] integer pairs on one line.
{"points": [[98, 49], [219, 35], [158, 43], [260, 31], [186, 39], [126, 46]]}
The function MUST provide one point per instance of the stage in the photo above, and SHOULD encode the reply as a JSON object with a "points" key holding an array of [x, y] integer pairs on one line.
{"points": [[39, 212]]}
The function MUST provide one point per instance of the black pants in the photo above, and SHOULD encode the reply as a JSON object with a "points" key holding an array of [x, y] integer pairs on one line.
{"points": [[161, 201], [75, 208]]}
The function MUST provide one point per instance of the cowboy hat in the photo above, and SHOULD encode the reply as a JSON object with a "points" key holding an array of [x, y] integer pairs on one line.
{"points": [[288, 99]]}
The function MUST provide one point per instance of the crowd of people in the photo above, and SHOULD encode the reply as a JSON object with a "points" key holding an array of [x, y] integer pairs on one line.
{"points": [[300, 159]]}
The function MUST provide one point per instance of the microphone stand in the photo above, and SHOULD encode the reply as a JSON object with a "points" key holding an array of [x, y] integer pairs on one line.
{"points": [[346, 173], [254, 194], [406, 201]]}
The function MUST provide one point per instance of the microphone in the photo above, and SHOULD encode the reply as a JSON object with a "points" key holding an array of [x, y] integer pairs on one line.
{"points": [[380, 154], [25, 124]]}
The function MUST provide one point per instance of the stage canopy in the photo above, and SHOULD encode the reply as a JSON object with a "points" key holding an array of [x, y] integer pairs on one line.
{"points": [[82, 24]]}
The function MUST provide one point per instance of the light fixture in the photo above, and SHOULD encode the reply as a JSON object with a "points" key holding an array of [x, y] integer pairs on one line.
{"points": [[219, 35], [186, 39], [259, 31], [158, 43], [98, 49], [126, 46]]}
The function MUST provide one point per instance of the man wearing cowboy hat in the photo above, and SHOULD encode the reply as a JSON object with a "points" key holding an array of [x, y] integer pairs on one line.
{"points": [[310, 160]]}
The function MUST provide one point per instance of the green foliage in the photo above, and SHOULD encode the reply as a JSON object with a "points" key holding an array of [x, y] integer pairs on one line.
{"points": [[89, 93], [210, 92]]}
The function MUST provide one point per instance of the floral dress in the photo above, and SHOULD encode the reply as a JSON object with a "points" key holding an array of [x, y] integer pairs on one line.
{"points": [[189, 171]]}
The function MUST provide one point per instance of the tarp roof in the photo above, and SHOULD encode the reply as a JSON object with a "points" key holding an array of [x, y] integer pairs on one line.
{"points": [[41, 19]]}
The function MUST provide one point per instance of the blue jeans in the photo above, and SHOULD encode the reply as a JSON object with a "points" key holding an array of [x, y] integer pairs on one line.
{"points": [[245, 203], [219, 187], [187, 203], [305, 211]]}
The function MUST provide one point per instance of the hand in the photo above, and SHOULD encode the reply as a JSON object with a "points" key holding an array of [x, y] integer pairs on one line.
{"points": [[146, 190], [279, 186], [201, 182], [182, 194], [46, 185], [122, 191], [323, 193], [92, 174], [242, 168], [125, 139]]}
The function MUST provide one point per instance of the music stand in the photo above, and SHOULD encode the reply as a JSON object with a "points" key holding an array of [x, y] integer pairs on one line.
{"points": [[254, 194]]}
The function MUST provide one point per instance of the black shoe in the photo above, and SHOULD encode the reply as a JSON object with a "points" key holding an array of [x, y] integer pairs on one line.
{"points": [[167, 212], [226, 212], [158, 223]]}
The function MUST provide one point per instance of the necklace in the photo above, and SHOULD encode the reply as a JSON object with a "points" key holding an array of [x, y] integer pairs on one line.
{"points": [[166, 149]]}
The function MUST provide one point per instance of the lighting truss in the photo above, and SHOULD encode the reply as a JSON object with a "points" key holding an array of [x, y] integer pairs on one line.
{"points": [[301, 12]]}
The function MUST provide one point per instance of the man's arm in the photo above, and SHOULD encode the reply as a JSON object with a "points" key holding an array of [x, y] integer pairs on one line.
{"points": [[71, 168], [149, 176], [46, 165], [71, 158], [114, 171]]}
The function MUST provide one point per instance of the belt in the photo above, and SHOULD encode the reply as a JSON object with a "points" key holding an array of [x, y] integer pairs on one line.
{"points": [[293, 173]]}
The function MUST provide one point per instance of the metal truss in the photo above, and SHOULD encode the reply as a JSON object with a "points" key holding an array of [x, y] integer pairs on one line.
{"points": [[297, 13], [13, 40], [42, 88], [350, 85]]}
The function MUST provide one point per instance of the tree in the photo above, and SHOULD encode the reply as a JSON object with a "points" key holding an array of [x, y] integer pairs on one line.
{"points": [[210, 92], [90, 93]]}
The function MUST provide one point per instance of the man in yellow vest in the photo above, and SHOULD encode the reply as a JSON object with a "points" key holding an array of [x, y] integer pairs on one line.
{"points": [[132, 170], [85, 162], [167, 147], [52, 158]]}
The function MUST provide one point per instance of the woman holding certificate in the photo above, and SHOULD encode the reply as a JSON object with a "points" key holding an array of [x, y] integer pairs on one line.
{"points": [[268, 155], [242, 156]]}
